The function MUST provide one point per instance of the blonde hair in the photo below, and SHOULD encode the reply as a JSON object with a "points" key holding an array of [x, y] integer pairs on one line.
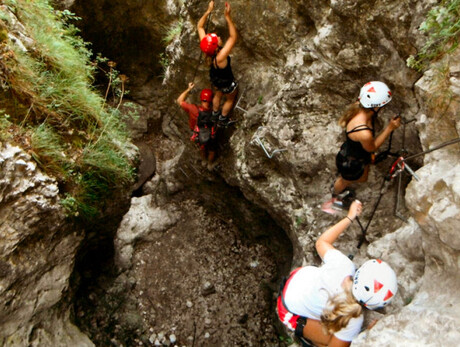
{"points": [[351, 111], [339, 310]]}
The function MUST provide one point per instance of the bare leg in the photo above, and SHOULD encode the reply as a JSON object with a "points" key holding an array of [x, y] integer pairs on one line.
{"points": [[203, 155], [314, 332], [363, 178], [211, 156], [341, 184], [216, 100], [229, 101]]}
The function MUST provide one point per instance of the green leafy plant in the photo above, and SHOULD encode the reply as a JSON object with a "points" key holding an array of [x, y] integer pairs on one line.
{"points": [[49, 107], [173, 31], [164, 61], [442, 26]]}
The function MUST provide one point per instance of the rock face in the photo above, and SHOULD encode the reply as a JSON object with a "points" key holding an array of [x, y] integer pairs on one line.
{"points": [[37, 253], [296, 83], [434, 201], [299, 64]]}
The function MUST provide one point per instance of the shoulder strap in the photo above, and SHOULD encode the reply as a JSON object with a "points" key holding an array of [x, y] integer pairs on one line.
{"points": [[358, 128], [214, 62]]}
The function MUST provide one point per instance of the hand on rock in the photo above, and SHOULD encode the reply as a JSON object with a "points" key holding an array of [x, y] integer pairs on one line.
{"points": [[211, 6], [227, 9]]}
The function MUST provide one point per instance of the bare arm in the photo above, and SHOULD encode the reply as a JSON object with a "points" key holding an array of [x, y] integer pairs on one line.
{"points": [[313, 330], [336, 342], [184, 94], [370, 144], [225, 51], [202, 21], [325, 241]]}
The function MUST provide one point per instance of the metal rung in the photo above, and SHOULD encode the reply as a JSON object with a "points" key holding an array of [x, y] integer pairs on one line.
{"points": [[259, 141], [237, 103]]}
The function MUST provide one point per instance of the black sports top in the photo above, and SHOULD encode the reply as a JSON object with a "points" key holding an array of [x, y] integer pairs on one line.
{"points": [[221, 78], [355, 148]]}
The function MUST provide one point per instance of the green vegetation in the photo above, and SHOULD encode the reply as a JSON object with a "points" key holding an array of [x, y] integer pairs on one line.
{"points": [[164, 62], [49, 107], [173, 31], [286, 339], [443, 28]]}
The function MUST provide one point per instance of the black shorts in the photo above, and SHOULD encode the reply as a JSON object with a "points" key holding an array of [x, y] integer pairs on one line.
{"points": [[228, 89], [350, 169]]}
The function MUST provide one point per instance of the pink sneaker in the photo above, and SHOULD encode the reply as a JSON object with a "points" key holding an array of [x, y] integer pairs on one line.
{"points": [[328, 206]]}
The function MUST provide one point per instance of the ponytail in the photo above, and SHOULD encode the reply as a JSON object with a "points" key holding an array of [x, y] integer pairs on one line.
{"points": [[339, 310]]}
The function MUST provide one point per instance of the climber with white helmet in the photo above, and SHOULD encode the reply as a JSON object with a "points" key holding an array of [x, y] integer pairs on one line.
{"points": [[218, 59], [323, 305], [356, 152]]}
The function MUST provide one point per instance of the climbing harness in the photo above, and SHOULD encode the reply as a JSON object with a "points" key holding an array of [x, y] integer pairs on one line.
{"points": [[261, 144], [397, 168]]}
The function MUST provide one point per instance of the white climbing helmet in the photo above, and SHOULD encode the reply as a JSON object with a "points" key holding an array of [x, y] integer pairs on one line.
{"points": [[374, 284], [374, 94]]}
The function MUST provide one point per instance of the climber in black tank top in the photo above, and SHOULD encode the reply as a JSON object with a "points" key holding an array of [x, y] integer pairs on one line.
{"points": [[222, 79], [356, 149], [220, 69], [355, 153]]}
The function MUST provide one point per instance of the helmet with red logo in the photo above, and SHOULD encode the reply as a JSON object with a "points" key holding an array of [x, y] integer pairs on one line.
{"points": [[374, 284], [206, 95], [374, 94], [209, 44]]}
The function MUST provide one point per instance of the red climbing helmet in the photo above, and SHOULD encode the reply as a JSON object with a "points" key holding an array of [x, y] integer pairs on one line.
{"points": [[374, 284], [374, 94], [206, 95], [209, 44]]}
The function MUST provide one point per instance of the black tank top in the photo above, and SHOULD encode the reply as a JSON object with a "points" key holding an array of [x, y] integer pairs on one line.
{"points": [[355, 148], [221, 78]]}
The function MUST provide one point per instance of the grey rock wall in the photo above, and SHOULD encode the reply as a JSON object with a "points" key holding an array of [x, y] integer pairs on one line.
{"points": [[432, 317], [37, 253]]}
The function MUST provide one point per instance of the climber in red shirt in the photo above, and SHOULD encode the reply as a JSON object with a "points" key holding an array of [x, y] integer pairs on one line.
{"points": [[192, 109], [201, 123]]}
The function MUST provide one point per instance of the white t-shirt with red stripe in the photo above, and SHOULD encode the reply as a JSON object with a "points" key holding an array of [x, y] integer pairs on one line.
{"points": [[310, 288]]}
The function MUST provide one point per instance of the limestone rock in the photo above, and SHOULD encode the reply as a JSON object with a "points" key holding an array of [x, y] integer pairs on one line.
{"points": [[143, 220], [37, 249]]}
